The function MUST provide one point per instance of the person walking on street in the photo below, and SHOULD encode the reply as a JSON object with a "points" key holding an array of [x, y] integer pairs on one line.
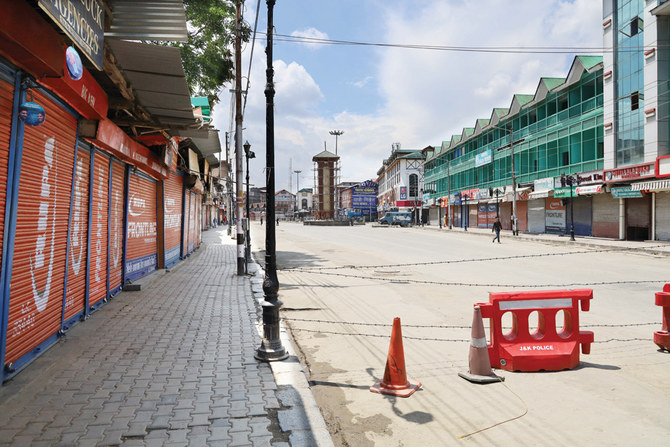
{"points": [[497, 226]]}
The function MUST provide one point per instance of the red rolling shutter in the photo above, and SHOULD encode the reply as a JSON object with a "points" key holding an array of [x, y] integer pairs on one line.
{"points": [[99, 216], [75, 299], [141, 243], [38, 271], [116, 228], [172, 205]]}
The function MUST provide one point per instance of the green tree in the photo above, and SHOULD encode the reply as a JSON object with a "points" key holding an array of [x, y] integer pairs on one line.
{"points": [[208, 56]]}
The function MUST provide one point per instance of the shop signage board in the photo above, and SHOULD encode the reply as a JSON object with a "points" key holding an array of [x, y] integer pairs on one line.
{"points": [[628, 173], [483, 158], [625, 192], [564, 191], [83, 22], [663, 166]]}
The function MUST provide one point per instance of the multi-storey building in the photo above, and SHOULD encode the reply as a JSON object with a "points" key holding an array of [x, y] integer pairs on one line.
{"points": [[517, 161], [637, 116], [284, 204], [400, 180]]}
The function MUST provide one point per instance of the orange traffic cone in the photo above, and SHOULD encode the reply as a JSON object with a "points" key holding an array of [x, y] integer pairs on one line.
{"points": [[395, 380], [480, 365]]}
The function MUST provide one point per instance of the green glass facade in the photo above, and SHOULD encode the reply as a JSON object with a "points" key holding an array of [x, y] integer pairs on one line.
{"points": [[561, 134]]}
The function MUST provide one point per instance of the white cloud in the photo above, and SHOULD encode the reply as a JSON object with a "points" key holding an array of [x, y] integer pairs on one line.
{"points": [[362, 83]]}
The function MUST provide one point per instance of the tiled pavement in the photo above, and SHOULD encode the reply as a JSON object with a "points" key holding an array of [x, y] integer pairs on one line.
{"points": [[172, 364]]}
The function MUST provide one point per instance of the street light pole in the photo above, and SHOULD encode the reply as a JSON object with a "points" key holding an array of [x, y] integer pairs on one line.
{"points": [[571, 181], [249, 154], [467, 212], [271, 348], [515, 230], [337, 133]]}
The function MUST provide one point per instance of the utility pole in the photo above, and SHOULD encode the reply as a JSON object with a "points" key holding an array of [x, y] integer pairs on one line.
{"points": [[239, 211], [271, 348]]}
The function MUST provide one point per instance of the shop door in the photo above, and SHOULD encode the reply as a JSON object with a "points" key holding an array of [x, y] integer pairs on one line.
{"points": [[536, 216], [583, 211], [142, 242], [198, 217], [173, 191], [663, 216], [99, 229], [75, 298], [638, 218], [38, 272], [116, 225]]}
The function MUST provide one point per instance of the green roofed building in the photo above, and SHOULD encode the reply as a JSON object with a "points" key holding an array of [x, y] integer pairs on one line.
{"points": [[543, 137]]}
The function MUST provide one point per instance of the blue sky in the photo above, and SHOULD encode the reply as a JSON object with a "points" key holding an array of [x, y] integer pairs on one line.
{"points": [[380, 95]]}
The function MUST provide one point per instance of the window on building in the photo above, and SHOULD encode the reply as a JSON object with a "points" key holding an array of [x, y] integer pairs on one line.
{"points": [[635, 101], [413, 185], [562, 102]]}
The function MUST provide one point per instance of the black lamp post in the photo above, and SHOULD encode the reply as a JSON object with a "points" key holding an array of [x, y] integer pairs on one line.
{"points": [[248, 154], [571, 181], [271, 348], [467, 211]]}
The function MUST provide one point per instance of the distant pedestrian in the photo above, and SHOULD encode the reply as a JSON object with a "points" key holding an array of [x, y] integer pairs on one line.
{"points": [[277, 221], [497, 226], [261, 221]]}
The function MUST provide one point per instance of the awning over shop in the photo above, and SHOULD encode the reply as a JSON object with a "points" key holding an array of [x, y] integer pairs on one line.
{"points": [[209, 146], [539, 194], [140, 20], [657, 185], [157, 75]]}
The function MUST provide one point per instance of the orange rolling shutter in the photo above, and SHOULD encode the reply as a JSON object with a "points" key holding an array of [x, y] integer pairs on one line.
{"points": [[116, 228], [141, 239], [99, 217], [75, 298], [173, 191], [38, 272], [6, 104]]}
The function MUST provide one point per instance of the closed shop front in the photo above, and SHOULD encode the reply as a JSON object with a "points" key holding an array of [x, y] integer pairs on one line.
{"points": [[173, 192], [142, 242], [99, 222], [605, 216], [198, 216], [41, 229], [191, 222], [536, 216], [75, 298], [663, 216], [638, 218], [583, 209], [116, 225]]}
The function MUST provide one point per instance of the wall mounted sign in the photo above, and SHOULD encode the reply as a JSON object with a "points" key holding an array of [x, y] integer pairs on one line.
{"points": [[630, 173], [82, 21], [483, 158], [32, 113], [73, 62]]}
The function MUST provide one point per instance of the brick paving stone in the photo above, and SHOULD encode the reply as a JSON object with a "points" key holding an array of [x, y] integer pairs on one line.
{"points": [[176, 367]]}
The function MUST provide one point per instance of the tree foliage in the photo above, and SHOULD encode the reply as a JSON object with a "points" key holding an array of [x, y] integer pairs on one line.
{"points": [[208, 56]]}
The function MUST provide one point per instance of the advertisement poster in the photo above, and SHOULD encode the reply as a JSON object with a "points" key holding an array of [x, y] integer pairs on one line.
{"points": [[555, 216]]}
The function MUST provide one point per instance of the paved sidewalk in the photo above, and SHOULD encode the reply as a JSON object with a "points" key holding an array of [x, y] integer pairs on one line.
{"points": [[170, 365]]}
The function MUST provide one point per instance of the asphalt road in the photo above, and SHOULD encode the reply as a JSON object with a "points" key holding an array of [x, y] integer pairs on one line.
{"points": [[339, 304]]}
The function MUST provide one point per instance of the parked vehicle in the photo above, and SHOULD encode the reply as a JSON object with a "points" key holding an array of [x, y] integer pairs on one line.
{"points": [[402, 218]]}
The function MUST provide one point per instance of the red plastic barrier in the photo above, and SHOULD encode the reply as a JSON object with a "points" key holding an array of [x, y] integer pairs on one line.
{"points": [[546, 348], [662, 337]]}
